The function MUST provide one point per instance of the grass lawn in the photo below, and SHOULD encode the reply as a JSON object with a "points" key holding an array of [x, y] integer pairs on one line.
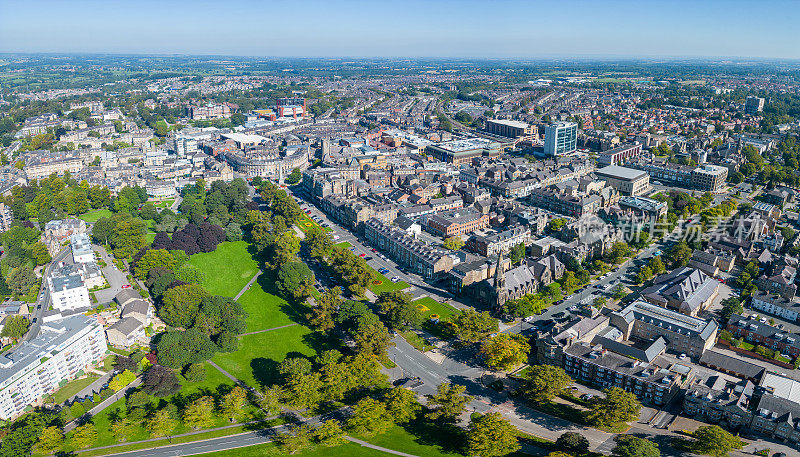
{"points": [[214, 382], [386, 285], [256, 361], [94, 215], [265, 308], [71, 388], [343, 244], [149, 237], [429, 306], [227, 269], [397, 438]]}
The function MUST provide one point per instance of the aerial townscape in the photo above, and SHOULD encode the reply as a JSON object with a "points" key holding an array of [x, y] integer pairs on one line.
{"points": [[245, 253]]}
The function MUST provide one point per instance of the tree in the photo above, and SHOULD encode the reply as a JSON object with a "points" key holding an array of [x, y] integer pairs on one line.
{"points": [[398, 311], [731, 306], [160, 381], [122, 380], [370, 335], [329, 434], [517, 253], [40, 254], [631, 446], [128, 237], [180, 304], [137, 399], [50, 439], [319, 243], [284, 249], [490, 435], [321, 316], [196, 372], [556, 224], [270, 399], [454, 243], [24, 433], [679, 254], [294, 177], [402, 405], [162, 423], [175, 349], [302, 385], [233, 403], [543, 382], [505, 352], [124, 429], [295, 281], [715, 441], [448, 403], [16, 327], [369, 417], [296, 439], [572, 442], [200, 413], [154, 258], [656, 265], [21, 280], [618, 406], [619, 251], [84, 435], [471, 326], [644, 275]]}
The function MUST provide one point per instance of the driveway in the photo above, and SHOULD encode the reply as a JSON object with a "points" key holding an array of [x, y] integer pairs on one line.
{"points": [[115, 278]]}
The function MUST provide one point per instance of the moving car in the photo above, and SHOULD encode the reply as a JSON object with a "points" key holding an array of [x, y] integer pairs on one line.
{"points": [[396, 278]]}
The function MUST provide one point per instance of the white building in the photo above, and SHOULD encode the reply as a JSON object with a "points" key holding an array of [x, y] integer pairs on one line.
{"points": [[81, 248], [560, 138], [39, 367], [69, 293]]}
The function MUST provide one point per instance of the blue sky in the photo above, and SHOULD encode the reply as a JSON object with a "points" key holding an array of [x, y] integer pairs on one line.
{"points": [[432, 28]]}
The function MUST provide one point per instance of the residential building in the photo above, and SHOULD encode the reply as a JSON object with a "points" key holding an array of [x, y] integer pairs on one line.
{"points": [[710, 178], [6, 217], [760, 333], [38, 367], [81, 248], [420, 258], [456, 222], [619, 155], [560, 138], [69, 293], [775, 305], [490, 245]]}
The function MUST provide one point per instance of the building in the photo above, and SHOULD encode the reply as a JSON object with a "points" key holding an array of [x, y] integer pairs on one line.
{"points": [[6, 217], [760, 333], [37, 368], [510, 129], [775, 305], [500, 242], [753, 105], [69, 293], [686, 290], [294, 107], [463, 151], [625, 180], [683, 334], [420, 258], [134, 317], [457, 222], [81, 248], [710, 178], [619, 155], [560, 138], [209, 111], [645, 206]]}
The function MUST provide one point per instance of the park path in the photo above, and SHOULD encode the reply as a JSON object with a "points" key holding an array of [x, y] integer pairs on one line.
{"points": [[269, 329], [377, 448], [105, 403], [247, 286]]}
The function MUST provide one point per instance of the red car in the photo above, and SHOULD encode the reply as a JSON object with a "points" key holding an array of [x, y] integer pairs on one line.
{"points": [[362, 255], [374, 250], [126, 286]]}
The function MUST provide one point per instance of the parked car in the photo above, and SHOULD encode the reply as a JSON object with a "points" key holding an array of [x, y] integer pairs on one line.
{"points": [[395, 279], [528, 319], [587, 397], [126, 286]]}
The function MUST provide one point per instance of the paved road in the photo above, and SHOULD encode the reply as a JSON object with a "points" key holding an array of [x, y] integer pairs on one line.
{"points": [[115, 278], [43, 300]]}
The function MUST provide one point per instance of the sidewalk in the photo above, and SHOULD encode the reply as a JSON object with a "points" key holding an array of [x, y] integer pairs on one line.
{"points": [[104, 404]]}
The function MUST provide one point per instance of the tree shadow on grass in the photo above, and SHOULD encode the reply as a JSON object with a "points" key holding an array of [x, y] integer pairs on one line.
{"points": [[447, 437], [320, 342], [265, 371], [295, 312]]}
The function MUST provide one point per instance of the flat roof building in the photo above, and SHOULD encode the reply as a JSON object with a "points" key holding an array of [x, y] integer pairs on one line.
{"points": [[627, 181], [560, 138]]}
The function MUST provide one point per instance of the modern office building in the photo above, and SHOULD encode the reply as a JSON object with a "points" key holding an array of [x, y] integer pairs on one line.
{"points": [[754, 105], [709, 177], [462, 151], [39, 367], [560, 138], [626, 180]]}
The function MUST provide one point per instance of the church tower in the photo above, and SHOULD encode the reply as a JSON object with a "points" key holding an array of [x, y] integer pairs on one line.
{"points": [[501, 295]]}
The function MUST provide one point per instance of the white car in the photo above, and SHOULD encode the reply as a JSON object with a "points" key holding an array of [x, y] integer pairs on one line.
{"points": [[336, 237], [396, 278], [573, 308], [527, 319]]}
